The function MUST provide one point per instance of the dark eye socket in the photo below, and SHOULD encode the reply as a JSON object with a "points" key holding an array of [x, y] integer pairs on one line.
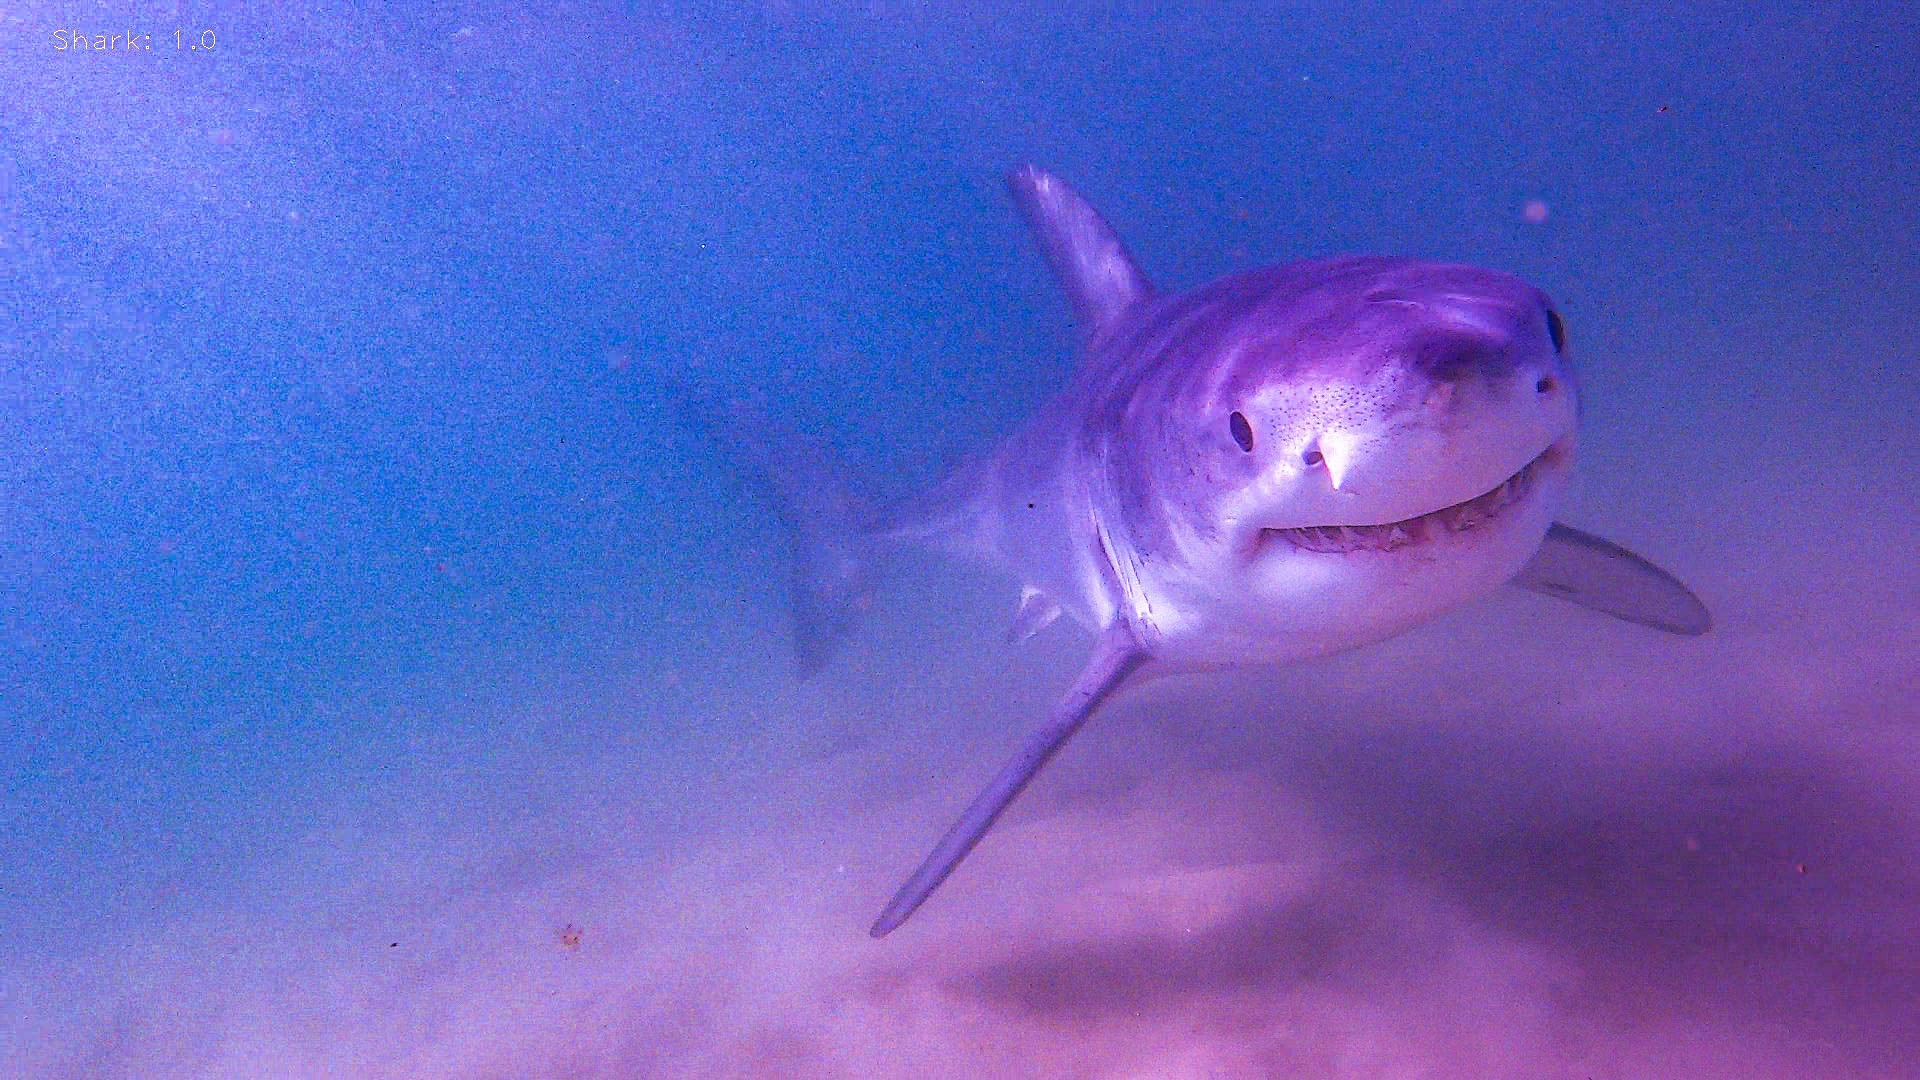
{"points": [[1242, 431], [1556, 330]]}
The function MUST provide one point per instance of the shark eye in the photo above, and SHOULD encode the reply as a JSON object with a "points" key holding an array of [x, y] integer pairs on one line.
{"points": [[1556, 330], [1242, 431]]}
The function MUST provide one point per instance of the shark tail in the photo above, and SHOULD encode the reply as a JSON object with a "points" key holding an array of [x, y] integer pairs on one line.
{"points": [[833, 533], [833, 557]]}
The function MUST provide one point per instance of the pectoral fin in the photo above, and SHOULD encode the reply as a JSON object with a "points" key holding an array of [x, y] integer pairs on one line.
{"points": [[1115, 657], [1036, 612], [1599, 574]]}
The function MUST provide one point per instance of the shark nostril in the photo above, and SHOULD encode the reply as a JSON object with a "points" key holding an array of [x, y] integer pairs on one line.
{"points": [[1546, 385], [1313, 458]]}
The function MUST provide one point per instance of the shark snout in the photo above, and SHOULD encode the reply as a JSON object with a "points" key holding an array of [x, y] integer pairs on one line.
{"points": [[1461, 422], [1468, 358], [1452, 357], [1367, 479]]}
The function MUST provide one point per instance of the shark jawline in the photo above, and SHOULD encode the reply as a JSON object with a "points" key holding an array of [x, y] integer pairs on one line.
{"points": [[1460, 517]]}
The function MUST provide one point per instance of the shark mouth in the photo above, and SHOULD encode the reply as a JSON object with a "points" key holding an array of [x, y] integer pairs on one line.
{"points": [[1459, 518]]}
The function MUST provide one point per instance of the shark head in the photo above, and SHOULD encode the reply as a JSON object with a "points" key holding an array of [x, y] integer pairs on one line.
{"points": [[1337, 450], [1391, 394]]}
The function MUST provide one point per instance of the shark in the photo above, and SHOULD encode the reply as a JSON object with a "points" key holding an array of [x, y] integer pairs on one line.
{"points": [[1281, 464]]}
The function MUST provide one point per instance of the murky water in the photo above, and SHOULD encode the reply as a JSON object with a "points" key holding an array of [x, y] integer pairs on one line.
{"points": [[392, 686]]}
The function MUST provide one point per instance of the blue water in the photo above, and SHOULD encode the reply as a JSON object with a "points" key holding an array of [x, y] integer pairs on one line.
{"points": [[390, 686]]}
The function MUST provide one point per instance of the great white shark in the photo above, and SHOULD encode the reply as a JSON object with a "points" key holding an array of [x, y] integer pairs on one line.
{"points": [[1281, 464]]}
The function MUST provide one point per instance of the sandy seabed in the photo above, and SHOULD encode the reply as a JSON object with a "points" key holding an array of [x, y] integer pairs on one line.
{"points": [[1525, 842]]}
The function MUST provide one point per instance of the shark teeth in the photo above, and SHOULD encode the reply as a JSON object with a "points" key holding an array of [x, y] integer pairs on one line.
{"points": [[1394, 535]]}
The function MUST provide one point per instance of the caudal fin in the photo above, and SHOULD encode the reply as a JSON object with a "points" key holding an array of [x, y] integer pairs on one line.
{"points": [[832, 554], [830, 531]]}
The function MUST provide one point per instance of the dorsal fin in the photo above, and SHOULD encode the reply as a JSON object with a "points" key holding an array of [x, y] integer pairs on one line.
{"points": [[1094, 267]]}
